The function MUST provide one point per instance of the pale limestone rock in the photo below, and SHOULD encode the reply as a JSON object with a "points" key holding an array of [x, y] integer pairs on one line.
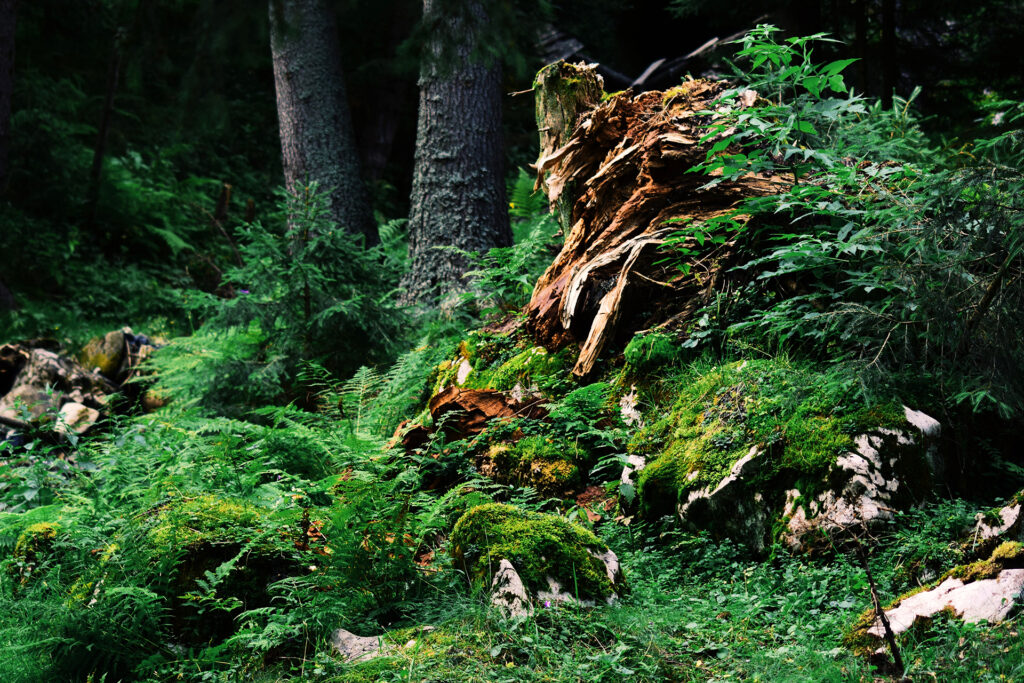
{"points": [[989, 600], [353, 648], [1009, 524], [462, 374], [866, 484], [75, 418], [732, 505], [508, 592]]}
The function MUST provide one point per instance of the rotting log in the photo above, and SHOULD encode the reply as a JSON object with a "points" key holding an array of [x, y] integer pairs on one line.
{"points": [[618, 183]]}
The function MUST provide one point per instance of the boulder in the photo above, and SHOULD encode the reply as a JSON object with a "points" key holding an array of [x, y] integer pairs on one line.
{"points": [[866, 485], [734, 506], [989, 600], [763, 447], [534, 559]]}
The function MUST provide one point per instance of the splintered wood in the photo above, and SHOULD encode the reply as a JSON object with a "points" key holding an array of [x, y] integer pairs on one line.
{"points": [[619, 183]]}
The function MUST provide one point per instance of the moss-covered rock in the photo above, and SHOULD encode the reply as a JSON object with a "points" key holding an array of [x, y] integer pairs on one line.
{"points": [[651, 349], [204, 519], [765, 435], [213, 551], [105, 354], [542, 548], [32, 548]]}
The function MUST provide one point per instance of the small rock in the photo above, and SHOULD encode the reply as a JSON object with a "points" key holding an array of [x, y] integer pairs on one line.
{"points": [[634, 463], [462, 374], [353, 648], [76, 418]]}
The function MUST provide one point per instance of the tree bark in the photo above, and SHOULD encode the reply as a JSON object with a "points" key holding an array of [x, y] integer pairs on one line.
{"points": [[860, 43], [317, 142], [890, 67], [99, 151], [8, 16], [458, 191]]}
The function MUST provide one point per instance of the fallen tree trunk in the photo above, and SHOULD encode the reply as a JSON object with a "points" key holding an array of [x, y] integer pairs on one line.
{"points": [[620, 184]]}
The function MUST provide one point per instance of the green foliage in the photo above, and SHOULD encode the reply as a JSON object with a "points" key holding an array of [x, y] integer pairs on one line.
{"points": [[300, 290], [503, 278], [881, 249]]}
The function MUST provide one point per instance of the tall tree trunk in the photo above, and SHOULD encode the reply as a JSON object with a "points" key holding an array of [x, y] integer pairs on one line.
{"points": [[860, 42], [890, 66], [8, 16], [99, 151], [317, 142], [458, 190]]}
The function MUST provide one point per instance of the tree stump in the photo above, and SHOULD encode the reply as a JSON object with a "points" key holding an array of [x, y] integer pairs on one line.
{"points": [[618, 177]]}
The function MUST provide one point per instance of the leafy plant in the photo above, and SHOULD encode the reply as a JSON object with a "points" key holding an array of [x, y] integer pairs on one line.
{"points": [[878, 248]]}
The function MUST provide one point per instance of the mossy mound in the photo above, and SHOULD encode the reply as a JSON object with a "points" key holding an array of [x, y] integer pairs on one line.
{"points": [[499, 363], [649, 350], [204, 519], [33, 547], [217, 551], [552, 466], [799, 419], [537, 545]]}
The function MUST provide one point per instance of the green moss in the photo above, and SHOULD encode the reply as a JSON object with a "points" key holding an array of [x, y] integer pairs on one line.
{"points": [[799, 418], [1009, 554], [534, 366], [549, 465], [537, 545], [651, 349], [34, 545], [205, 519]]}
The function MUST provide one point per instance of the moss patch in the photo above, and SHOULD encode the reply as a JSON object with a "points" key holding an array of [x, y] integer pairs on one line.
{"points": [[537, 545], [549, 465], [191, 522], [650, 350]]}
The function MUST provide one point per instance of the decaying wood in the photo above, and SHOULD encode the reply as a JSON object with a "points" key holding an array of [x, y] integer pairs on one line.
{"points": [[462, 413], [618, 184], [563, 93]]}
